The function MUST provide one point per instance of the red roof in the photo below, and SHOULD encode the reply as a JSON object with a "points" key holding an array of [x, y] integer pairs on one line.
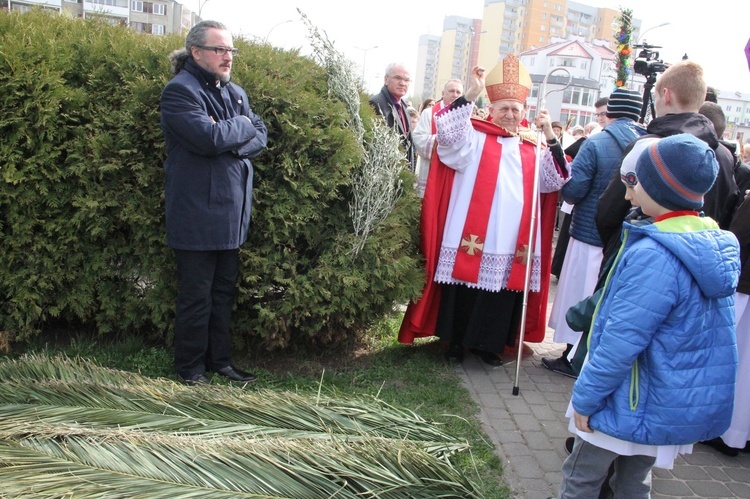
{"points": [[573, 48]]}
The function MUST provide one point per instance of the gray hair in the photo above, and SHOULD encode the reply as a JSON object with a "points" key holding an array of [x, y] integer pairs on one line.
{"points": [[195, 37], [454, 80], [392, 65]]}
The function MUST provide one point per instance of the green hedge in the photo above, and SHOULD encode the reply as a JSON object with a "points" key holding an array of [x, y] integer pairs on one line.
{"points": [[82, 203]]}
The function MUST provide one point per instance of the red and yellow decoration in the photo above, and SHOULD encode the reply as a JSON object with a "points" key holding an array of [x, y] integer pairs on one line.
{"points": [[622, 63]]}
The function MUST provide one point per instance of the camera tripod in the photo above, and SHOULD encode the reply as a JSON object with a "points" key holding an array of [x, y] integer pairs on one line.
{"points": [[648, 100]]}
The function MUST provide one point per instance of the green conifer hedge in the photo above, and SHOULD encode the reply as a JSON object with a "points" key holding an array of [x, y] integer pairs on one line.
{"points": [[82, 237]]}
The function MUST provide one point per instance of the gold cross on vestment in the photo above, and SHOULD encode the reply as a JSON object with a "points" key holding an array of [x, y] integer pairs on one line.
{"points": [[522, 254], [473, 244]]}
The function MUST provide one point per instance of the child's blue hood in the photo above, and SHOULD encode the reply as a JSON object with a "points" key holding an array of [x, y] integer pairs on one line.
{"points": [[710, 254]]}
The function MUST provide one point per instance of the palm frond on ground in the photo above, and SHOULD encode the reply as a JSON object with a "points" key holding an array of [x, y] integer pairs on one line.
{"points": [[61, 388], [68, 426]]}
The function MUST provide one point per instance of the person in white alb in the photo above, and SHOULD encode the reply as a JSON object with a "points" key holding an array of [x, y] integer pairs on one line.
{"points": [[476, 221], [423, 136]]}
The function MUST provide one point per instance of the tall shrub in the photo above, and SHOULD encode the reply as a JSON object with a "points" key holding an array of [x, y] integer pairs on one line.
{"points": [[81, 199]]}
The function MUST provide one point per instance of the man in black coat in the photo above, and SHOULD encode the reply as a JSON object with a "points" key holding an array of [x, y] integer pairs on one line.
{"points": [[211, 136], [390, 104]]}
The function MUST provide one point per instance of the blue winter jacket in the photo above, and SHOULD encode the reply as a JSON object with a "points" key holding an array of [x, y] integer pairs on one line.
{"points": [[591, 171], [211, 135], [663, 353]]}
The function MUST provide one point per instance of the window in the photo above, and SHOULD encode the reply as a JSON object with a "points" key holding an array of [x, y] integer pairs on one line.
{"points": [[584, 64], [739, 109], [157, 29], [541, 39], [588, 97], [136, 6], [576, 95], [543, 27], [572, 95], [160, 9]]}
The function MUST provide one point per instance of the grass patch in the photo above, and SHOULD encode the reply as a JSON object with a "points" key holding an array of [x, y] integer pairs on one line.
{"points": [[415, 377]]}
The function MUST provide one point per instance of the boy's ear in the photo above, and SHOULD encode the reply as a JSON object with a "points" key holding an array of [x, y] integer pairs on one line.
{"points": [[667, 96]]}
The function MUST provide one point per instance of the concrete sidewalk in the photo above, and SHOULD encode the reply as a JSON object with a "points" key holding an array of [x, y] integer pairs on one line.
{"points": [[529, 431]]}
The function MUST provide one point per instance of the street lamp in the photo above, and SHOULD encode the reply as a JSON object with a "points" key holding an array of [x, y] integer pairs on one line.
{"points": [[364, 59], [265, 40], [201, 3]]}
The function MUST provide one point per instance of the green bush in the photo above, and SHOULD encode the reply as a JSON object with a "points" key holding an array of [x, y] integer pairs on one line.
{"points": [[81, 206]]}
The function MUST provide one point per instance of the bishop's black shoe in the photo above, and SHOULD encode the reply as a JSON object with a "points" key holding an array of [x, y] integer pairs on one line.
{"points": [[455, 353], [489, 358]]}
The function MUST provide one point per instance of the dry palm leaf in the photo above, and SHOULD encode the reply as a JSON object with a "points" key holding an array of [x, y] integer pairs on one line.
{"points": [[69, 428]]}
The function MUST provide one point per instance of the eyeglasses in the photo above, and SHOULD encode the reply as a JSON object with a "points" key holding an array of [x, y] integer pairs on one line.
{"points": [[601, 115], [221, 51], [401, 78]]}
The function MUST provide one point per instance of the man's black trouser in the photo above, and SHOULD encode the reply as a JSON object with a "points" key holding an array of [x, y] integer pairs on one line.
{"points": [[207, 286]]}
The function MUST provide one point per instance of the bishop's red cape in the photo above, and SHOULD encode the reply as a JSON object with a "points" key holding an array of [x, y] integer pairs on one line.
{"points": [[420, 319]]}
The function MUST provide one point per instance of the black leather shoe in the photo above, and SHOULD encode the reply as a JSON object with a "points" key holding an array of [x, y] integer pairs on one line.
{"points": [[195, 379], [235, 374], [489, 358], [455, 353], [718, 444], [559, 366]]}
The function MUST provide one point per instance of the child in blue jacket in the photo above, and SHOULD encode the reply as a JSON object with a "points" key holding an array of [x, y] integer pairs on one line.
{"points": [[662, 355]]}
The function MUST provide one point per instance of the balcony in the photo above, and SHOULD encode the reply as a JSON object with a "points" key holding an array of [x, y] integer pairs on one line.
{"points": [[115, 8], [41, 3]]}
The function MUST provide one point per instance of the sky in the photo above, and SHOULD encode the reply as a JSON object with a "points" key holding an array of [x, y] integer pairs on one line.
{"points": [[374, 34]]}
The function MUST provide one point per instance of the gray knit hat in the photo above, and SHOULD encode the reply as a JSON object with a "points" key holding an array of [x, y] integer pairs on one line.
{"points": [[624, 103], [677, 171]]}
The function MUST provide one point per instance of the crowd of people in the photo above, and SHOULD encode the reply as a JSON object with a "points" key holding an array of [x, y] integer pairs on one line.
{"points": [[651, 297], [653, 292]]}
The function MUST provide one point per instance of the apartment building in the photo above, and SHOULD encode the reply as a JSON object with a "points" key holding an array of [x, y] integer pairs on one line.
{"points": [[447, 57], [516, 26], [425, 76], [155, 17], [513, 26]]}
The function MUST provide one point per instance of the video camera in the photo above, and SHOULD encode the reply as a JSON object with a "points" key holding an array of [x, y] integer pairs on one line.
{"points": [[648, 63]]}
